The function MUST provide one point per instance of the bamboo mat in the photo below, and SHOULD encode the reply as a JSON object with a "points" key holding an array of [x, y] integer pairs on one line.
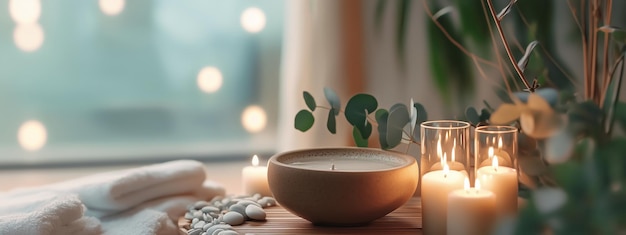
{"points": [[405, 220]]}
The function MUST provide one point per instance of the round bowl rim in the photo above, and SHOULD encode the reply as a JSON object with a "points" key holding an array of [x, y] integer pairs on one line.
{"points": [[409, 159]]}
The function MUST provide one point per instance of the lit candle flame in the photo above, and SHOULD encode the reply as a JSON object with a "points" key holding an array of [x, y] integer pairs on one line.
{"points": [[499, 142], [444, 159], [477, 185], [490, 152], [446, 169], [466, 185], [494, 163], [255, 160]]}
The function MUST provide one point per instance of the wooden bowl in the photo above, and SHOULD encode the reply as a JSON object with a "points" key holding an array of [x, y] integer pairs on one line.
{"points": [[342, 186]]}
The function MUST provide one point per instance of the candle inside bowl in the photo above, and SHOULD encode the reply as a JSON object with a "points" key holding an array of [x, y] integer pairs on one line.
{"points": [[343, 164], [342, 186]]}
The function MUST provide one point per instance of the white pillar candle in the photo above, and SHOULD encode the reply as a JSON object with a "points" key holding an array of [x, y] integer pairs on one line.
{"points": [[254, 179], [471, 211], [436, 185], [502, 181]]}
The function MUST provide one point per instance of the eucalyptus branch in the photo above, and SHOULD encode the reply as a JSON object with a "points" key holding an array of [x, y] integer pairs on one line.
{"points": [[507, 48], [372, 121]]}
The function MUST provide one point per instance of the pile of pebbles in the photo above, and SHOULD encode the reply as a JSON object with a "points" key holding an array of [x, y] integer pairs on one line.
{"points": [[216, 217]]}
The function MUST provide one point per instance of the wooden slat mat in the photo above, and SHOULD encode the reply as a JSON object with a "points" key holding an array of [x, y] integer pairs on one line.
{"points": [[405, 220]]}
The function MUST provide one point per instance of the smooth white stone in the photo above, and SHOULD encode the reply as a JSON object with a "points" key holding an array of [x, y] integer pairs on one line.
{"points": [[228, 232], [217, 231], [199, 225], [194, 221], [188, 215], [197, 214], [207, 226], [208, 209], [240, 209], [218, 226], [255, 212], [194, 231], [233, 218], [200, 204]]}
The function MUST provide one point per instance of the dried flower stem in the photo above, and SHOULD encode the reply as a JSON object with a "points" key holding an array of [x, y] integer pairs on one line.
{"points": [[507, 48]]}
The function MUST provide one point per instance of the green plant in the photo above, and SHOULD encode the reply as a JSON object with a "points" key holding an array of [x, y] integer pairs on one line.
{"points": [[570, 154], [394, 125]]}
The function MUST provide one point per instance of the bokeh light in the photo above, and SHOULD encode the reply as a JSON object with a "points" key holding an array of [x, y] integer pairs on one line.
{"points": [[210, 79], [254, 119], [32, 135], [253, 20], [28, 37], [111, 7], [25, 11]]}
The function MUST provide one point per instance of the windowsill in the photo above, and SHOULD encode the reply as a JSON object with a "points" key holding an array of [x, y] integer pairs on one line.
{"points": [[226, 173]]}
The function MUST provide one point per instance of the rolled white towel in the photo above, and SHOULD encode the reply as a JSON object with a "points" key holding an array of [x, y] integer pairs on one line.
{"points": [[44, 213]]}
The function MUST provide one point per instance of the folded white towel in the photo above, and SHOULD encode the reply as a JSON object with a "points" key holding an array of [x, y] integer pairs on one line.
{"points": [[144, 200], [139, 222], [112, 192], [45, 213]]}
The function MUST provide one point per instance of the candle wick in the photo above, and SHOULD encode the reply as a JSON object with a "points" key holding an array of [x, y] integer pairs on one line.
{"points": [[332, 167]]}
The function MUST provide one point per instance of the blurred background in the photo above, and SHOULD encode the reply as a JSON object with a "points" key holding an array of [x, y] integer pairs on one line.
{"points": [[114, 81]]}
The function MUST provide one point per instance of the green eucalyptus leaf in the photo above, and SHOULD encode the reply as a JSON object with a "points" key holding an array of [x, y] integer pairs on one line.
{"points": [[381, 118], [357, 109], [304, 120], [358, 137], [331, 123], [397, 120], [422, 116], [472, 115], [309, 100], [333, 99], [484, 115]]}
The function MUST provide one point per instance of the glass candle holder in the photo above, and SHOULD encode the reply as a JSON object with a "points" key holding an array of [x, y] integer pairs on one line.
{"points": [[495, 158], [444, 167]]}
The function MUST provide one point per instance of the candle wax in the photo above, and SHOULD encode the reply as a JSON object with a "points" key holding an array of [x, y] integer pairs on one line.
{"points": [[471, 212], [457, 166], [503, 183], [345, 164], [435, 189], [254, 180]]}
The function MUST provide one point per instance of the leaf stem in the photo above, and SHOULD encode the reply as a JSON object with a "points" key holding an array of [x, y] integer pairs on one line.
{"points": [[507, 47]]}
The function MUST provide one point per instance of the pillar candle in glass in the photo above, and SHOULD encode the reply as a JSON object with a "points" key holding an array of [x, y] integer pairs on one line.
{"points": [[444, 165], [495, 155]]}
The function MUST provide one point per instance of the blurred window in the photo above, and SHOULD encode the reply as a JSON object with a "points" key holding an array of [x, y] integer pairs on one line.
{"points": [[113, 80]]}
